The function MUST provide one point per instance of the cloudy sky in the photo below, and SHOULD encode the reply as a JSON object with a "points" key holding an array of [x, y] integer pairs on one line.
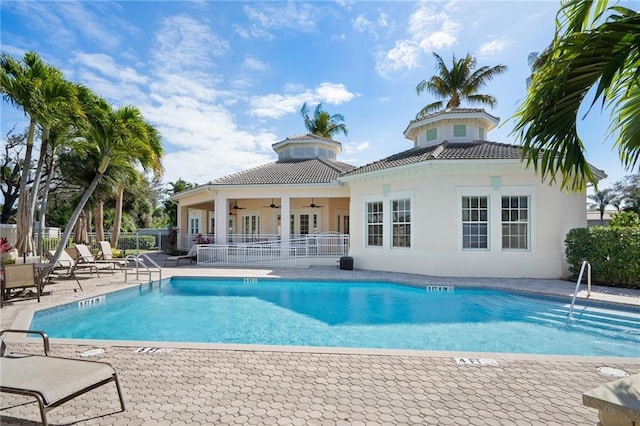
{"points": [[223, 81]]}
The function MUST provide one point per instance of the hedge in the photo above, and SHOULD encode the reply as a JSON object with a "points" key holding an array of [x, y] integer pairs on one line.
{"points": [[614, 254]]}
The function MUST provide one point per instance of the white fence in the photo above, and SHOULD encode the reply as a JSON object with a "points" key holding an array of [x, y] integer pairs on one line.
{"points": [[276, 253]]}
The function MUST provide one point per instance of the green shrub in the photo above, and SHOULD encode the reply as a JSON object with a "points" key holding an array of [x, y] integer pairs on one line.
{"points": [[614, 254], [146, 242], [625, 220]]}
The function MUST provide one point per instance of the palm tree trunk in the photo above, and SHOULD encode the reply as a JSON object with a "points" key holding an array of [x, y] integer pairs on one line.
{"points": [[117, 219], [76, 213], [45, 195], [44, 145], [99, 220], [24, 221]]}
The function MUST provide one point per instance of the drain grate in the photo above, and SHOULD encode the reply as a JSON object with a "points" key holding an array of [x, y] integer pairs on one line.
{"points": [[476, 361], [147, 350]]}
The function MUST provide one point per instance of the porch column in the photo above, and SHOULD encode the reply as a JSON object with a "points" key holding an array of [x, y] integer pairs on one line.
{"points": [[222, 219], [285, 218]]}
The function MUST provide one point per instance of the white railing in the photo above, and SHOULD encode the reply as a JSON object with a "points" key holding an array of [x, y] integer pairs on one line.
{"points": [[276, 252]]}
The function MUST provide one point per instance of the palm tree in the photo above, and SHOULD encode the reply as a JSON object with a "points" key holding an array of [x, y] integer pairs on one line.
{"points": [[595, 46], [42, 93], [322, 123], [118, 136], [601, 199], [458, 84]]}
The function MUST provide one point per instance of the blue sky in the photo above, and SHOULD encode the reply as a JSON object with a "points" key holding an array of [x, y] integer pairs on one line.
{"points": [[223, 81]]}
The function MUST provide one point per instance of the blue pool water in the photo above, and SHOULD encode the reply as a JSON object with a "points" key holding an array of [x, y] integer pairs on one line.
{"points": [[346, 314]]}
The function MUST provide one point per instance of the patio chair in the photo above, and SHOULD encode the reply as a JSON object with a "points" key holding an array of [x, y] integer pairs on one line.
{"points": [[52, 381], [19, 277], [106, 255], [192, 255], [66, 267], [86, 257]]}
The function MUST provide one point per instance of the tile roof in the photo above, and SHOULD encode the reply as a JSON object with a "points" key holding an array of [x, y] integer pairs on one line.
{"points": [[294, 171], [452, 111], [476, 150]]}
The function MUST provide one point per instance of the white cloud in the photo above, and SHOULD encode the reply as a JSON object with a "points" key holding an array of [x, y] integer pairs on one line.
{"points": [[264, 17], [186, 44], [253, 64], [362, 24], [492, 47], [428, 30], [404, 55], [278, 105]]}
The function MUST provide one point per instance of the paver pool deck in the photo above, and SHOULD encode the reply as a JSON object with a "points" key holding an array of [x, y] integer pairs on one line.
{"points": [[243, 384]]}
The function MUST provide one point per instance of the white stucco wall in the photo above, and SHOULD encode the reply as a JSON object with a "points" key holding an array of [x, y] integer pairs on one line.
{"points": [[435, 190]]}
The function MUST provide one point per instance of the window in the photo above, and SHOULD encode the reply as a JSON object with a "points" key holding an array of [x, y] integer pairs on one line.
{"points": [[515, 222], [212, 224], [401, 226], [250, 224], [459, 130], [194, 225], [481, 133], [475, 225], [432, 134], [374, 224]]}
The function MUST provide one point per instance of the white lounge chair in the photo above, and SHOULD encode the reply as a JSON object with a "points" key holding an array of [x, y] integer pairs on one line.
{"points": [[191, 255], [86, 257], [106, 255]]}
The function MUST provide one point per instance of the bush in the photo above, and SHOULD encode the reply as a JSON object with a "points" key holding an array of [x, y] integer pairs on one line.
{"points": [[624, 220], [614, 254], [146, 242]]}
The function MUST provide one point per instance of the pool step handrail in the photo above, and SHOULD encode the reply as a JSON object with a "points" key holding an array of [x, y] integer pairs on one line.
{"points": [[587, 265], [139, 261]]}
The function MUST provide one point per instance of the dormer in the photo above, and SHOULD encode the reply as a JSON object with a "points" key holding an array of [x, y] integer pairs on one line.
{"points": [[453, 125], [307, 146]]}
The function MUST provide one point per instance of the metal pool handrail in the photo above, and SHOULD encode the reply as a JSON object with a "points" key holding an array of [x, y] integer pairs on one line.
{"points": [[139, 261], [575, 293]]}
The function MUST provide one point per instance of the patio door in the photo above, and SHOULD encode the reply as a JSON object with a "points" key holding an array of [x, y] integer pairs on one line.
{"points": [[304, 223], [251, 224]]}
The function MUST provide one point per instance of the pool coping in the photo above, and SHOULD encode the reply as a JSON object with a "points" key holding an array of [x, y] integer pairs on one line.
{"points": [[25, 316]]}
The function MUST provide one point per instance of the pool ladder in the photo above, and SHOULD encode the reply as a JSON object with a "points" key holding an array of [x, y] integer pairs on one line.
{"points": [[140, 263], [587, 265]]}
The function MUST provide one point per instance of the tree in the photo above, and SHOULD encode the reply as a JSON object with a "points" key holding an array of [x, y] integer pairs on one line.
{"points": [[322, 123], [628, 193], [41, 92], [601, 199], [10, 172], [458, 84], [119, 136], [594, 47], [170, 208]]}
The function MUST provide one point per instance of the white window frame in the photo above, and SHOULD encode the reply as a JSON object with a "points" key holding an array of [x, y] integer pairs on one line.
{"points": [[495, 216], [394, 223], [380, 223], [509, 222], [487, 221], [453, 131], [426, 135]]}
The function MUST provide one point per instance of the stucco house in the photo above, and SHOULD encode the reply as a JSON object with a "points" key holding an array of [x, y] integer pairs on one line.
{"points": [[455, 204]]}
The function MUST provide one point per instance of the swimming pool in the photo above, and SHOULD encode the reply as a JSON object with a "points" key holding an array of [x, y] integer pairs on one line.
{"points": [[345, 314]]}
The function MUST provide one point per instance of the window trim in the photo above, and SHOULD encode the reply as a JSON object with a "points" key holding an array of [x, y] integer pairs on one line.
{"points": [[392, 223], [528, 223], [367, 224], [462, 223]]}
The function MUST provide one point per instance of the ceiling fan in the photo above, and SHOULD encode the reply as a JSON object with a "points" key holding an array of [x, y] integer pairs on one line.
{"points": [[234, 206], [272, 205], [313, 206]]}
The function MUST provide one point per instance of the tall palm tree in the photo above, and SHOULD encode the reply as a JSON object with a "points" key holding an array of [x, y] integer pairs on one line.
{"points": [[113, 136], [595, 46], [322, 123], [601, 199], [458, 84], [42, 93]]}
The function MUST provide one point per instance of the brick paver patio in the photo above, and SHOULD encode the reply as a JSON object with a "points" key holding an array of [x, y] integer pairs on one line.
{"points": [[294, 386]]}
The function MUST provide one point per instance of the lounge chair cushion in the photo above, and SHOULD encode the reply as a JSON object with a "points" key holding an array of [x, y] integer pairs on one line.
{"points": [[54, 378]]}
